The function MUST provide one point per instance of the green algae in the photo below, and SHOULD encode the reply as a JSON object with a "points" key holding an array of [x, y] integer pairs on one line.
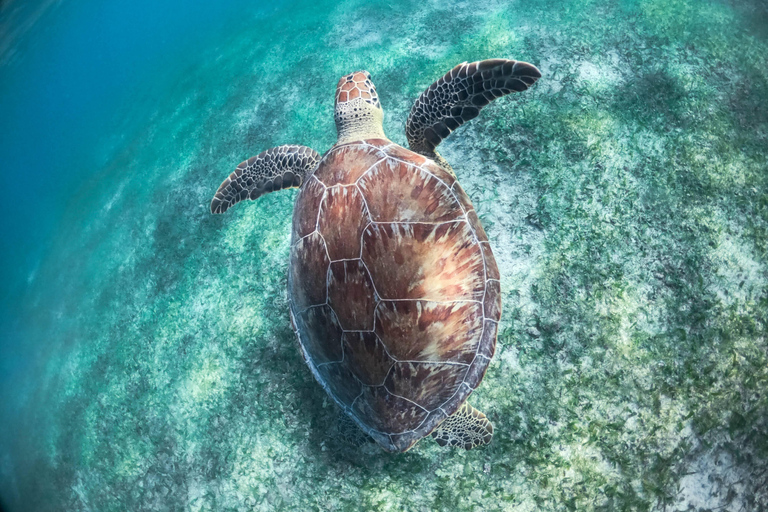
{"points": [[625, 197]]}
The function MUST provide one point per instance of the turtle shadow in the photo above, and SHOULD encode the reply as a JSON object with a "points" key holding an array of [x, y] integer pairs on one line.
{"points": [[332, 439], [291, 382]]}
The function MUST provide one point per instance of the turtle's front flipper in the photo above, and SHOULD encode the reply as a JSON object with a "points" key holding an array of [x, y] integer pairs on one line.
{"points": [[467, 427], [458, 97], [273, 169]]}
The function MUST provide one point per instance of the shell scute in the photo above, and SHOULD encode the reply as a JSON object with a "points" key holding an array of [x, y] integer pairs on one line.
{"points": [[342, 217], [321, 334], [402, 442], [405, 155], [475, 373], [399, 192], [437, 262], [341, 382], [488, 341], [474, 221], [462, 197], [351, 294], [492, 300], [309, 259], [491, 269], [430, 331], [429, 385], [386, 412], [345, 164], [439, 173], [366, 357], [307, 204]]}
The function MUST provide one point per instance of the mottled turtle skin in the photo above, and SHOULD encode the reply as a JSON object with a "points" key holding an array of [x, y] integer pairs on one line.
{"points": [[394, 290]]}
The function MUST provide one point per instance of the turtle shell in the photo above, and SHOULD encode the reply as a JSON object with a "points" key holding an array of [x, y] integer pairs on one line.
{"points": [[394, 291]]}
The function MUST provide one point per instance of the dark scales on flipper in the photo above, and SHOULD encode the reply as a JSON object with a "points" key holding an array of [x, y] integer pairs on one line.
{"points": [[350, 434], [459, 96], [273, 169], [467, 428]]}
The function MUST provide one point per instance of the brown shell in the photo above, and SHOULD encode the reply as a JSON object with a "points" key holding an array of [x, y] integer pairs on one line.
{"points": [[394, 291]]}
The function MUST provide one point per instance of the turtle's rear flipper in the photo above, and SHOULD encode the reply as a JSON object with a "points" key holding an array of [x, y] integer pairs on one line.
{"points": [[467, 427], [350, 433], [458, 97], [273, 169]]}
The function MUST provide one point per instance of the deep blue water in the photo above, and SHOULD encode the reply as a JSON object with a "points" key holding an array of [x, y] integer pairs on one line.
{"points": [[77, 79]]}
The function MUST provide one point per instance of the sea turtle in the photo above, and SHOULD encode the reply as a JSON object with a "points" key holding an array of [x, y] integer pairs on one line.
{"points": [[393, 289]]}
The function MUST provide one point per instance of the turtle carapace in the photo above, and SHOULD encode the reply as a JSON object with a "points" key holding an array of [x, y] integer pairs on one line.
{"points": [[393, 289]]}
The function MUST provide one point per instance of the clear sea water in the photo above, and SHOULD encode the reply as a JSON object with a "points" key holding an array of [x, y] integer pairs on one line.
{"points": [[146, 356]]}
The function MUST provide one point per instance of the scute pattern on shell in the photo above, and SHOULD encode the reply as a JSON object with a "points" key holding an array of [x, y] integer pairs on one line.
{"points": [[394, 293]]}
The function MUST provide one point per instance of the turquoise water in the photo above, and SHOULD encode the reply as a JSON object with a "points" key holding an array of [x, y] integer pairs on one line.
{"points": [[147, 357]]}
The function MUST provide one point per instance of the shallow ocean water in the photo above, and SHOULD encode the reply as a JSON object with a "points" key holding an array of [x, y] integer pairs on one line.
{"points": [[147, 357]]}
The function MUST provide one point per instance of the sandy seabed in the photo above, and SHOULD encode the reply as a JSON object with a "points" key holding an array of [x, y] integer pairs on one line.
{"points": [[625, 196]]}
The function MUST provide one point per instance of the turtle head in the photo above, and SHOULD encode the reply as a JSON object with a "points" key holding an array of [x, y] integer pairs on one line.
{"points": [[358, 113]]}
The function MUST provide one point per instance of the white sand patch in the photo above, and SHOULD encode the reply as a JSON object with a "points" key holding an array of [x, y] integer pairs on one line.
{"points": [[602, 72], [741, 275], [714, 482]]}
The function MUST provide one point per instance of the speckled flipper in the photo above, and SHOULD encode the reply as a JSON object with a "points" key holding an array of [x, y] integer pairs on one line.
{"points": [[458, 97], [467, 427], [350, 433], [273, 169]]}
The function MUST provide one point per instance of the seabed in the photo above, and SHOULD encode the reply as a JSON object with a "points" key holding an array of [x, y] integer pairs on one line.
{"points": [[625, 196]]}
